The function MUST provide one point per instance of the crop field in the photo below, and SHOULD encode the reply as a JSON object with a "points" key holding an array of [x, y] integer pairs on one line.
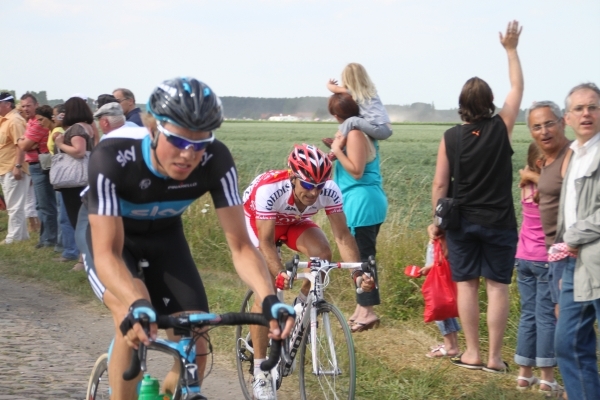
{"points": [[391, 361]]}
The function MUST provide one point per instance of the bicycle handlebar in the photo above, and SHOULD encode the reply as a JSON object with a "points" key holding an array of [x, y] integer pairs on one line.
{"points": [[368, 267], [191, 321]]}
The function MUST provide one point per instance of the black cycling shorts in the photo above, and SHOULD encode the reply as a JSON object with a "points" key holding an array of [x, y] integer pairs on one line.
{"points": [[171, 276]]}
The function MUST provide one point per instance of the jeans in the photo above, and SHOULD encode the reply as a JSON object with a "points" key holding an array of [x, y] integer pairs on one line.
{"points": [[555, 273], [576, 341], [535, 338], [67, 232], [448, 326], [46, 205]]}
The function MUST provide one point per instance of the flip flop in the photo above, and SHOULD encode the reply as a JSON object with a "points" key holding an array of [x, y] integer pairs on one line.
{"points": [[440, 348], [503, 370], [459, 363]]}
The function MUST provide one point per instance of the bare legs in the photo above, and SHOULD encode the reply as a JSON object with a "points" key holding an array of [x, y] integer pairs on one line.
{"points": [[497, 316]]}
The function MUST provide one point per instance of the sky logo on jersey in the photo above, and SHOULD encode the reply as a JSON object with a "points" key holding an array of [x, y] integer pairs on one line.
{"points": [[333, 194], [154, 210], [124, 156]]}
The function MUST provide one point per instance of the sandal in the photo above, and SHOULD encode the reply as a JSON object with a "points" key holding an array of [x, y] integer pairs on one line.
{"points": [[555, 389], [533, 380], [359, 326], [440, 348]]}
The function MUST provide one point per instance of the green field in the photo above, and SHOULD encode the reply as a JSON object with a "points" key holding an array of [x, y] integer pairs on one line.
{"points": [[391, 359]]}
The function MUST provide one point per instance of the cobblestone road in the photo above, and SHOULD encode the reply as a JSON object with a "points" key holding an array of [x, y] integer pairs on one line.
{"points": [[49, 343]]}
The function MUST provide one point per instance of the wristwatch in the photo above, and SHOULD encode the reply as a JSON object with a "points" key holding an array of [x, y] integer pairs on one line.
{"points": [[18, 166]]}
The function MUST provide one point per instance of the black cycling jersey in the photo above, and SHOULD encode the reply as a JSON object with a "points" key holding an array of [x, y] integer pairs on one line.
{"points": [[123, 182]]}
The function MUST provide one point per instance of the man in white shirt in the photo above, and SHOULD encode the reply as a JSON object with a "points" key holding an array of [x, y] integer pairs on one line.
{"points": [[579, 229]]}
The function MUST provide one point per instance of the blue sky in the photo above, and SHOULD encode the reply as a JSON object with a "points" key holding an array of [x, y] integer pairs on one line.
{"points": [[415, 51]]}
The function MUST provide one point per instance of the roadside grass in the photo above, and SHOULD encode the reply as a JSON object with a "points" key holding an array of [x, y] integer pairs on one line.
{"points": [[391, 361]]}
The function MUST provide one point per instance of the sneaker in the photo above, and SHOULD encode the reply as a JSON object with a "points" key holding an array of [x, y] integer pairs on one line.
{"points": [[262, 387]]}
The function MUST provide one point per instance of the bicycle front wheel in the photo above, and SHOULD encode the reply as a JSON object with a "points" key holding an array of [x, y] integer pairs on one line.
{"points": [[244, 354], [98, 388], [333, 376]]}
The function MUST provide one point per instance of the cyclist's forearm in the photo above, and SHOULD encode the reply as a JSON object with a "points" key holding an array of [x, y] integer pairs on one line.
{"points": [[348, 248], [269, 252], [251, 268]]}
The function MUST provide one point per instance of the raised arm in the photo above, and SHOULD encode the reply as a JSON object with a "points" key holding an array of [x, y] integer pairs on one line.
{"points": [[510, 109], [335, 88]]}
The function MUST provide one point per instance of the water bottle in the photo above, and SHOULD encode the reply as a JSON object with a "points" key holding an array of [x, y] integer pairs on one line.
{"points": [[149, 389], [429, 254]]}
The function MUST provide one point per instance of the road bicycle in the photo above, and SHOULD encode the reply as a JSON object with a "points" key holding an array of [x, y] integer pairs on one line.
{"points": [[182, 352], [321, 337]]}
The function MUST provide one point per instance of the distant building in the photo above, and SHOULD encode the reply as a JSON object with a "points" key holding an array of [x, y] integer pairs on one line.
{"points": [[281, 117]]}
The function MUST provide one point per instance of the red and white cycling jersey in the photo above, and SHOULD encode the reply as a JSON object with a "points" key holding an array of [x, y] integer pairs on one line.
{"points": [[270, 196]]}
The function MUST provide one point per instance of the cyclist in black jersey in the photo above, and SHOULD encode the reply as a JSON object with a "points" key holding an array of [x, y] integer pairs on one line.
{"points": [[140, 182]]}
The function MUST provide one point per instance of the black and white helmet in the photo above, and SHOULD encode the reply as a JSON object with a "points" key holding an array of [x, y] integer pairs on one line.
{"points": [[188, 103]]}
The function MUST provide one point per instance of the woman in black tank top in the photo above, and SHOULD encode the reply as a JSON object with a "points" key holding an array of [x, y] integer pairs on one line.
{"points": [[485, 243]]}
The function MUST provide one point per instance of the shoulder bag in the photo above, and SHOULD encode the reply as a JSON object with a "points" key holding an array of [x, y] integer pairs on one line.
{"points": [[67, 171], [446, 210]]}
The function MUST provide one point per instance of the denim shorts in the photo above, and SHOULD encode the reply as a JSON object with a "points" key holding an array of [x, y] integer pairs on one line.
{"points": [[555, 274], [475, 251]]}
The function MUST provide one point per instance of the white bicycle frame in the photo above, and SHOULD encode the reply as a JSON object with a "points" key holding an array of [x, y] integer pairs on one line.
{"points": [[318, 269]]}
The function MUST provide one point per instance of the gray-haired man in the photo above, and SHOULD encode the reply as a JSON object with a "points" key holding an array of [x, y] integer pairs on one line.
{"points": [[126, 99], [578, 232]]}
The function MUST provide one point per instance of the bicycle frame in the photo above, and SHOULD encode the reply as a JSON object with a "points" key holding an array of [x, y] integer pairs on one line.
{"points": [[316, 295]]}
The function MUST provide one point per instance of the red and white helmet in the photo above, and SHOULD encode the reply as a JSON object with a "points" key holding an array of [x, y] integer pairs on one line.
{"points": [[309, 163]]}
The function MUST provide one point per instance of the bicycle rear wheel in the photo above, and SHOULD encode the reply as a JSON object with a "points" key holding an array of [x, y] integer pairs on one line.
{"points": [[98, 388], [335, 359], [244, 354]]}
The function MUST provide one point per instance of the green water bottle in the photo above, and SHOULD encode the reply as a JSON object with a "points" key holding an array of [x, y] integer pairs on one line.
{"points": [[149, 389]]}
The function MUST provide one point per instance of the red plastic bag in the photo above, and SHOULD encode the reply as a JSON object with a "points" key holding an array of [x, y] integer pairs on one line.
{"points": [[439, 291]]}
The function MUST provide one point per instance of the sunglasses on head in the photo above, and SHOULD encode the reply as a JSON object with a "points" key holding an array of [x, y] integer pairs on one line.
{"points": [[184, 143], [311, 186]]}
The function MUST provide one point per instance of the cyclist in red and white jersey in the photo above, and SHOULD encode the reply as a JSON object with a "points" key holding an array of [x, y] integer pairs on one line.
{"points": [[278, 206]]}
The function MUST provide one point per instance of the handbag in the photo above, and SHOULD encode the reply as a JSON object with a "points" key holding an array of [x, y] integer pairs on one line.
{"points": [[447, 209], [439, 291], [67, 171]]}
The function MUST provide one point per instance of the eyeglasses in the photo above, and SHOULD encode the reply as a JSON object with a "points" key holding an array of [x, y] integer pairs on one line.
{"points": [[121, 100], [578, 110], [183, 143], [547, 125], [311, 186]]}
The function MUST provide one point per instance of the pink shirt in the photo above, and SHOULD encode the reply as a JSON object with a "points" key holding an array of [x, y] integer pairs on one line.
{"points": [[36, 133], [532, 244]]}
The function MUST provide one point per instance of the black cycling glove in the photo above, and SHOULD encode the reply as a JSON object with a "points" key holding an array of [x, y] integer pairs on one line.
{"points": [[136, 310], [271, 307]]}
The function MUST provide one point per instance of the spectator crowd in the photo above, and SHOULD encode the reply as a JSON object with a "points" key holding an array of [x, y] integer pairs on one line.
{"points": [[555, 254]]}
